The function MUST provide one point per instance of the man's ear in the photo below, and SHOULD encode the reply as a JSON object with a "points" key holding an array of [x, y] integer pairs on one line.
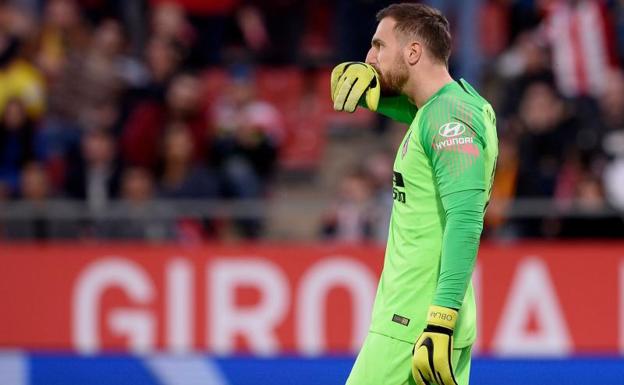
{"points": [[413, 52]]}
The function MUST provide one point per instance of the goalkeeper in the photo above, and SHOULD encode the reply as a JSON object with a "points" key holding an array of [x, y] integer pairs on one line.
{"points": [[424, 318]]}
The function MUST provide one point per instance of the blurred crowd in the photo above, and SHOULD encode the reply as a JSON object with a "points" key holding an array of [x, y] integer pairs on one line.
{"points": [[105, 100], [136, 101]]}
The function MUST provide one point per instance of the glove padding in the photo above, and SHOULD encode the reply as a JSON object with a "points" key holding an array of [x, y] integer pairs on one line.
{"points": [[352, 80], [431, 361]]}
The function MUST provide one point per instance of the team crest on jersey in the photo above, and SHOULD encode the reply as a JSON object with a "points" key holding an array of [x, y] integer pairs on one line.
{"points": [[405, 145]]}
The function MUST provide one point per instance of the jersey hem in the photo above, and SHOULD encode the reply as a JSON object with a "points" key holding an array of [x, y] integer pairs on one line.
{"points": [[389, 336]]}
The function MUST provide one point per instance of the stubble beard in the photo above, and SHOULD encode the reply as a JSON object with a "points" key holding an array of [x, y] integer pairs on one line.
{"points": [[393, 80]]}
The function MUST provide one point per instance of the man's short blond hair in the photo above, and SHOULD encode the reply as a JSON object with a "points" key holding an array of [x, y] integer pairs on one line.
{"points": [[423, 22]]}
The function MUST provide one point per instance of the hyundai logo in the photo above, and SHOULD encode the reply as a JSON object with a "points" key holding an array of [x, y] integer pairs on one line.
{"points": [[452, 129]]}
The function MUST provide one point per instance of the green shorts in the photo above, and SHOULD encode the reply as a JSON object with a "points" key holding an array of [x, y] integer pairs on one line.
{"points": [[385, 360]]}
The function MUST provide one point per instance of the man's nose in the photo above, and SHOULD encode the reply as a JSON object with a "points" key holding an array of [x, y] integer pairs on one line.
{"points": [[371, 56]]}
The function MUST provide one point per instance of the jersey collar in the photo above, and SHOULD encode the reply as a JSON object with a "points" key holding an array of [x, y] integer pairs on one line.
{"points": [[439, 92]]}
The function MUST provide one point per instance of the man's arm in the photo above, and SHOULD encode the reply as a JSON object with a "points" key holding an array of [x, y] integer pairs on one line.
{"points": [[459, 172], [462, 232], [397, 108]]}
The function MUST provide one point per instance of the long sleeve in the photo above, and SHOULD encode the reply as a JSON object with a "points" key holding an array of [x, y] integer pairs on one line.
{"points": [[456, 152], [397, 108], [462, 232]]}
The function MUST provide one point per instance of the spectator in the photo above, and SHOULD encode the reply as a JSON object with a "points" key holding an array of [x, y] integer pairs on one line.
{"points": [[351, 219], [544, 138], [63, 32], [90, 79], [180, 177], [34, 221], [19, 79], [104, 115], [95, 175], [138, 216], [109, 47], [169, 22], [248, 135], [546, 134], [523, 64], [163, 57], [18, 144], [34, 186], [245, 146], [147, 123]]}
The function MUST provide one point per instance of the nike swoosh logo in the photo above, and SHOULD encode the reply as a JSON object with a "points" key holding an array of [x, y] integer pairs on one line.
{"points": [[428, 344]]}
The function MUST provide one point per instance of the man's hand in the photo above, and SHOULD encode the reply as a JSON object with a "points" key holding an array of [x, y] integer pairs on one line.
{"points": [[352, 80], [431, 362]]}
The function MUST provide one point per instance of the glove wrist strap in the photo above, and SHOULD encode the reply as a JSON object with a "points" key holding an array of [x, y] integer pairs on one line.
{"points": [[442, 316]]}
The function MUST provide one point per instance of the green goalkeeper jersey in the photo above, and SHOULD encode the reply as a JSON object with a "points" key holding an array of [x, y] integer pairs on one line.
{"points": [[450, 147]]}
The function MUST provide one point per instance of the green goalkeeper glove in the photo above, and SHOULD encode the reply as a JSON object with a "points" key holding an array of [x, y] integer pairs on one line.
{"points": [[431, 361], [352, 80]]}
